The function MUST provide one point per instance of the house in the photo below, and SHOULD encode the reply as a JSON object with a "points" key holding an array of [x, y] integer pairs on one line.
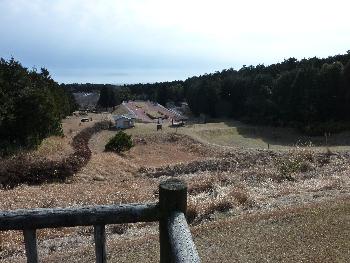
{"points": [[124, 121]]}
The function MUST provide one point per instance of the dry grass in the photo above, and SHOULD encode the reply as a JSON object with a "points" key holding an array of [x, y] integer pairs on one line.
{"points": [[240, 196], [120, 110], [237, 134], [197, 187], [317, 233], [224, 184], [296, 160], [54, 148]]}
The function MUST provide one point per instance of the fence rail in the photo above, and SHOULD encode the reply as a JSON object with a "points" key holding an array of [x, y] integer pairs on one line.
{"points": [[176, 244], [79, 216]]}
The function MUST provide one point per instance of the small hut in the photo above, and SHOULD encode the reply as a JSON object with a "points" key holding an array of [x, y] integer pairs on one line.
{"points": [[124, 122]]}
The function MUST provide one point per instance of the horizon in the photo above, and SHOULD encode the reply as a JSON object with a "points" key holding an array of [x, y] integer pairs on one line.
{"points": [[127, 42]]}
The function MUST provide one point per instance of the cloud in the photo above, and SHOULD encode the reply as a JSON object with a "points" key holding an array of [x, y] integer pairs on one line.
{"points": [[178, 34]]}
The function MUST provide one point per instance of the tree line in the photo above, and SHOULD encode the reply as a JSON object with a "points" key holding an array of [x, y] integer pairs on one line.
{"points": [[310, 94], [32, 106], [162, 92]]}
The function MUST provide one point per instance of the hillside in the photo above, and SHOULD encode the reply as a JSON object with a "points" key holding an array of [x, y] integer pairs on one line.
{"points": [[239, 198]]}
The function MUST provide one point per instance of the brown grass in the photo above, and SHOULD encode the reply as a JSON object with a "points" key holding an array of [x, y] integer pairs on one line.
{"points": [[224, 188], [199, 186], [240, 196], [24, 168]]}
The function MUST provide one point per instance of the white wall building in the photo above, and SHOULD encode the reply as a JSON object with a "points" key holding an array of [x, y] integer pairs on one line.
{"points": [[123, 122]]}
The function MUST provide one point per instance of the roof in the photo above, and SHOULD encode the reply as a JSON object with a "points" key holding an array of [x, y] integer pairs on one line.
{"points": [[118, 117]]}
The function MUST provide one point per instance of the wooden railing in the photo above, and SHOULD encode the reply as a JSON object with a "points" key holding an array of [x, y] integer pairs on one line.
{"points": [[176, 244]]}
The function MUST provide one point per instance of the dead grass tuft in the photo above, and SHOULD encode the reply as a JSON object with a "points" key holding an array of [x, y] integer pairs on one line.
{"points": [[197, 187], [240, 196]]}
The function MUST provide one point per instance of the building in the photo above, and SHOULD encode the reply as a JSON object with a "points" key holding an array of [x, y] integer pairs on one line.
{"points": [[124, 121]]}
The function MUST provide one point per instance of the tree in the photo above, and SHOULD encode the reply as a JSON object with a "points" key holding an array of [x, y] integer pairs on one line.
{"points": [[32, 105], [107, 98]]}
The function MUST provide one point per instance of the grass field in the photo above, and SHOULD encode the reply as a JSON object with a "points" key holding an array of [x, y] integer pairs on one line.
{"points": [[249, 204], [236, 134]]}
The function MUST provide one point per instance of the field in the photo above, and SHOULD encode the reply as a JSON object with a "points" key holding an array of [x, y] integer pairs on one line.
{"points": [[237, 134], [246, 203]]}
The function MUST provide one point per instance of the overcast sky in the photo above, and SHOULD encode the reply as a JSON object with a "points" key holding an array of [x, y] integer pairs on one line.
{"points": [[123, 41]]}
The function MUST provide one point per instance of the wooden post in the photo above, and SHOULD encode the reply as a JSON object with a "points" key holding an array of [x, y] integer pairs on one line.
{"points": [[100, 243], [182, 245], [172, 197], [30, 245]]}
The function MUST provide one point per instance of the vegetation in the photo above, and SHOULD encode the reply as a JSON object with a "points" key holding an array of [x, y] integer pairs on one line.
{"points": [[32, 106], [111, 96], [24, 168], [312, 94], [119, 143], [162, 92], [107, 98], [228, 187]]}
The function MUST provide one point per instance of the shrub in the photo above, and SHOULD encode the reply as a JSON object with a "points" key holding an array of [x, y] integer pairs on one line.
{"points": [[119, 143], [298, 160]]}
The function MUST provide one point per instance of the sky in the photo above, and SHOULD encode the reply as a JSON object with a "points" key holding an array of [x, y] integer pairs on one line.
{"points": [[131, 41]]}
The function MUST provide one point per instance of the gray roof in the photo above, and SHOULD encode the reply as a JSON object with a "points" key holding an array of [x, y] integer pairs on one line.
{"points": [[126, 116]]}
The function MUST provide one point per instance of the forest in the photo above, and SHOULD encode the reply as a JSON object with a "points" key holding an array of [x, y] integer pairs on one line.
{"points": [[312, 94], [32, 106]]}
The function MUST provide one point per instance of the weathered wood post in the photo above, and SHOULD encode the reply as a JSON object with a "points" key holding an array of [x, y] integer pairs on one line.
{"points": [[100, 243], [172, 197], [30, 245]]}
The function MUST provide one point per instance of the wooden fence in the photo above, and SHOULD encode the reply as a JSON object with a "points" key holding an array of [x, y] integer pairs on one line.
{"points": [[176, 244]]}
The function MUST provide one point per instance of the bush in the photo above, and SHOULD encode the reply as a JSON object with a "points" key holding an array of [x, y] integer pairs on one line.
{"points": [[296, 161], [119, 143]]}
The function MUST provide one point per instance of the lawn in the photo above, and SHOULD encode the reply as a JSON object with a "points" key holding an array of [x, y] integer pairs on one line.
{"points": [[235, 133]]}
